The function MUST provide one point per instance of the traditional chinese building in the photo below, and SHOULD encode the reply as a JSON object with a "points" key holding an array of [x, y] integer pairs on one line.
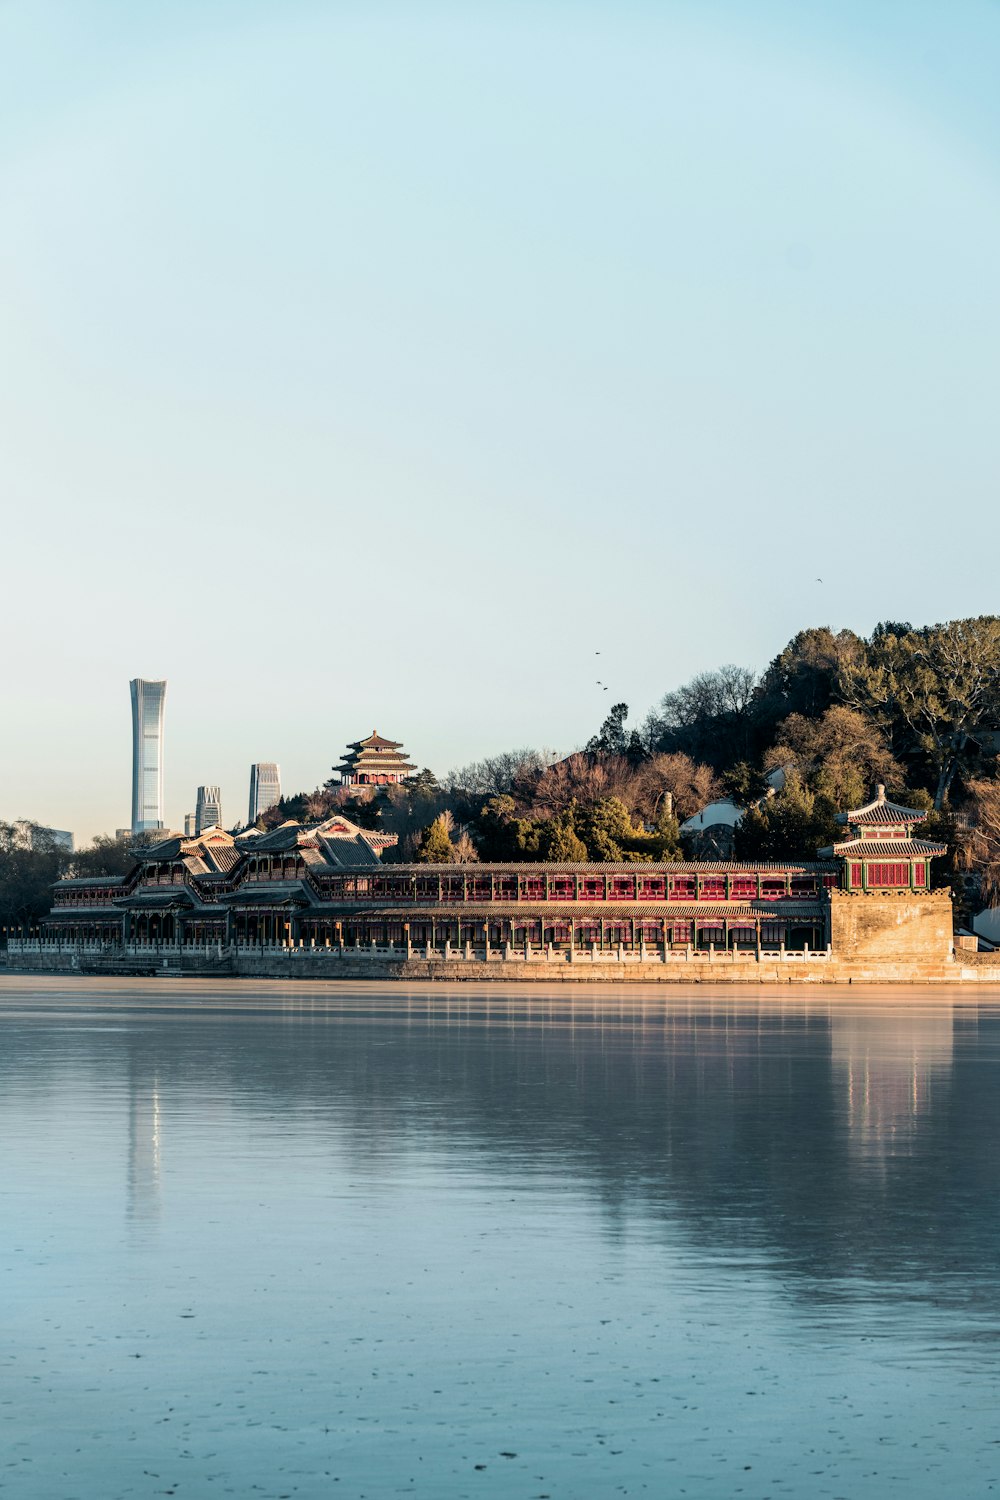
{"points": [[880, 852], [375, 762], [323, 886], [211, 888]]}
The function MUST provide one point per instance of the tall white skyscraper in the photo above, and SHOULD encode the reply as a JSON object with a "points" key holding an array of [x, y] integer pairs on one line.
{"points": [[148, 699], [208, 809], [265, 788]]}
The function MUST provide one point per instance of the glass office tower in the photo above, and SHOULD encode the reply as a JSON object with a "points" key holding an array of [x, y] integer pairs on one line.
{"points": [[148, 699], [265, 789], [208, 809]]}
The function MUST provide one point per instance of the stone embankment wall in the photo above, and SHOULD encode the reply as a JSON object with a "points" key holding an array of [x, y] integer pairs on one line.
{"points": [[722, 968], [891, 929], [978, 968]]}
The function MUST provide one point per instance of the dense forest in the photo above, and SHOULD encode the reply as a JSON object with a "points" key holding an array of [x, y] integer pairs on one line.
{"points": [[915, 708]]}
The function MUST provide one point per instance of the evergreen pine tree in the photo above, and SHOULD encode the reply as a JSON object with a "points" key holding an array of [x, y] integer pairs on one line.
{"points": [[436, 847], [562, 842]]}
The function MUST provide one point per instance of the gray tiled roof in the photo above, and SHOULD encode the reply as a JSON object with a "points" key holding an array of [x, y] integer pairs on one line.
{"points": [[579, 911], [269, 899], [223, 856], [167, 849], [349, 852], [176, 895], [285, 836], [879, 811], [620, 867], [889, 849]]}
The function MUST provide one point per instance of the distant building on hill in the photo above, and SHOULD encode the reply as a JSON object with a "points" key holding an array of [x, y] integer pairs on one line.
{"points": [[711, 831], [375, 762], [190, 825], [208, 809], [265, 788]]}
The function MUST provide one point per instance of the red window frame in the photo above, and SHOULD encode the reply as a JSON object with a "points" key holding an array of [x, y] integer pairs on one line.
{"points": [[893, 876]]}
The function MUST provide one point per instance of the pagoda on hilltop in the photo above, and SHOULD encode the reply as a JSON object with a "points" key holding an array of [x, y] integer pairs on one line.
{"points": [[880, 852], [375, 762]]}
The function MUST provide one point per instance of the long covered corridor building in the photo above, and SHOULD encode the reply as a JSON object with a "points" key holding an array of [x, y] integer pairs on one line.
{"points": [[324, 886]]}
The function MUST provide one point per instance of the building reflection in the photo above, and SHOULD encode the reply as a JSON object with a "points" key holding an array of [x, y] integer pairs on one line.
{"points": [[142, 1205], [831, 1134], [892, 1069]]}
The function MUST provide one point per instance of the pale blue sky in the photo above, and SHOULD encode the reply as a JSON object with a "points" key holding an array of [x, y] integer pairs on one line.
{"points": [[372, 364]]}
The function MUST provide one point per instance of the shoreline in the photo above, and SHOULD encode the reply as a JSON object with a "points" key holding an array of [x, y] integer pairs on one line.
{"points": [[724, 970]]}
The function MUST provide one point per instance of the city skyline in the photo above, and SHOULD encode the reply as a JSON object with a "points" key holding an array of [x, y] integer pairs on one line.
{"points": [[150, 768]]}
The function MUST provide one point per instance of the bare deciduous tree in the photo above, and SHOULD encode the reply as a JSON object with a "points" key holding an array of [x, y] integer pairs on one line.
{"points": [[465, 850], [511, 773], [690, 783], [582, 778], [713, 710], [319, 805], [978, 844]]}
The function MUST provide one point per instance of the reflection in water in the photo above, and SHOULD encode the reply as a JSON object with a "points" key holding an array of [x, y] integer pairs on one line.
{"points": [[409, 1233], [143, 1197], [895, 1069]]}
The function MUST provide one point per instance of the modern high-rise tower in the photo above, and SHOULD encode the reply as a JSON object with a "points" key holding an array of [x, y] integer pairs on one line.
{"points": [[265, 789], [208, 809], [148, 699]]}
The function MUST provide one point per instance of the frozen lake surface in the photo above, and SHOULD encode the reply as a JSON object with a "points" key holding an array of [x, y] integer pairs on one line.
{"points": [[266, 1240]]}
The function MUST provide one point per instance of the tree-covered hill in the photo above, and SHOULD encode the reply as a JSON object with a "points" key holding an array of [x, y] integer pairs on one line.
{"points": [[916, 708]]}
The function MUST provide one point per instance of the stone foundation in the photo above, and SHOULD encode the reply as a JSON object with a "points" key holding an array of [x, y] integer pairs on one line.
{"points": [[329, 966], [908, 928]]}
